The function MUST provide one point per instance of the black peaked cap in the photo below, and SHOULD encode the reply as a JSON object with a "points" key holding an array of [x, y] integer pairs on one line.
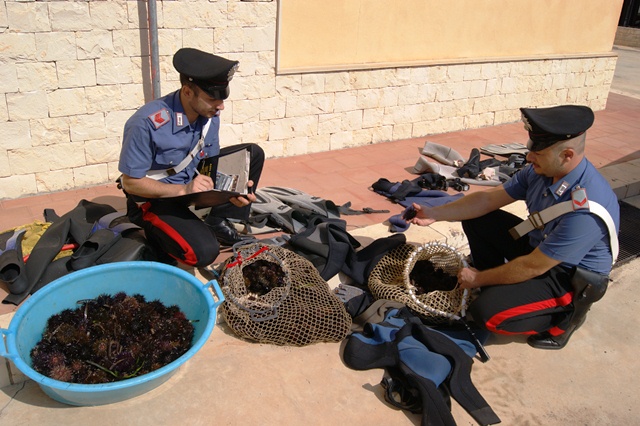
{"points": [[209, 72], [546, 126]]}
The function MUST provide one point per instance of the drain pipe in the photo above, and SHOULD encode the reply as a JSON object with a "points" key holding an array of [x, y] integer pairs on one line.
{"points": [[153, 45]]}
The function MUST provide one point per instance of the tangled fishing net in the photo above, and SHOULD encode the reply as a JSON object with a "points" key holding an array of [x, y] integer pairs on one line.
{"points": [[423, 278], [274, 295]]}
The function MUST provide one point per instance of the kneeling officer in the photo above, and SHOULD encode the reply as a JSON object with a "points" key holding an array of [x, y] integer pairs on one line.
{"points": [[164, 143], [539, 277]]}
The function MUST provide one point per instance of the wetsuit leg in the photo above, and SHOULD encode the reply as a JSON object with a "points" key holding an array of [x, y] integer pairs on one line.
{"points": [[490, 241], [529, 307], [173, 229]]}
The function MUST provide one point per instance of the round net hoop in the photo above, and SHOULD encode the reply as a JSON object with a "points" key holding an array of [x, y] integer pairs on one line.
{"points": [[265, 306], [390, 279], [301, 312]]}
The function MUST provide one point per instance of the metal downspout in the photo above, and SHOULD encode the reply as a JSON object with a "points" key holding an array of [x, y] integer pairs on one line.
{"points": [[153, 45]]}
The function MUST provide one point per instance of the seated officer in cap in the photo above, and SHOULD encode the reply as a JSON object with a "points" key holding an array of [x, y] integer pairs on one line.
{"points": [[542, 284], [165, 145]]}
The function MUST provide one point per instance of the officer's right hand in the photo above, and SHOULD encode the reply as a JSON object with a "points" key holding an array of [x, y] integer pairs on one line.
{"points": [[423, 217], [199, 183]]}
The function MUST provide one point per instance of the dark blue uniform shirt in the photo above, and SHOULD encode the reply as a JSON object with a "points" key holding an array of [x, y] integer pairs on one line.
{"points": [[159, 136], [577, 238]]}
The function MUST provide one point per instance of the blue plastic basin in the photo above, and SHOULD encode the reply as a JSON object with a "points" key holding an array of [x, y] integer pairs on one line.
{"points": [[155, 281]]}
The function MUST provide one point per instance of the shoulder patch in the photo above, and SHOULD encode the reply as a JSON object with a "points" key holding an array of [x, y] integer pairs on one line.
{"points": [[160, 118], [579, 199]]}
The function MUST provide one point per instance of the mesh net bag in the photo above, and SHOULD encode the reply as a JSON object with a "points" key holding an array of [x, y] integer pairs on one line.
{"points": [[391, 280], [299, 310]]}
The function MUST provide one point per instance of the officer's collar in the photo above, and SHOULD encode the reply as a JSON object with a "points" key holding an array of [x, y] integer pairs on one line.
{"points": [[567, 183], [180, 120]]}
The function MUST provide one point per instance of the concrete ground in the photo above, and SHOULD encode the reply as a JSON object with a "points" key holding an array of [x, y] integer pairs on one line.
{"points": [[234, 382], [625, 80], [591, 381]]}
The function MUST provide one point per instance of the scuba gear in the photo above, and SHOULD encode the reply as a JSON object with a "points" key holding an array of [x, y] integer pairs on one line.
{"points": [[396, 192], [432, 181], [331, 249], [442, 154], [88, 225], [409, 213], [293, 211], [281, 214], [12, 271], [346, 210], [457, 184], [505, 149], [424, 359], [471, 169], [298, 199]]}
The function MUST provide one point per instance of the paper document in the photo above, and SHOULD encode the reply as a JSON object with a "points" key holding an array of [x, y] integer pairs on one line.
{"points": [[231, 177]]}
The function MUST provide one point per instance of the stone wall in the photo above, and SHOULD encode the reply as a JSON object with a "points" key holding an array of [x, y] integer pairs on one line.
{"points": [[72, 72]]}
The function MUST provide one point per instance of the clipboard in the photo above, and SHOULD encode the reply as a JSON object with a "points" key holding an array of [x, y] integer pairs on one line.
{"points": [[203, 199], [231, 177]]}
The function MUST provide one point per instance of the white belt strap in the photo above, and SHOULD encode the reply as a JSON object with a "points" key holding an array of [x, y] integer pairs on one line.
{"points": [[161, 174], [579, 201]]}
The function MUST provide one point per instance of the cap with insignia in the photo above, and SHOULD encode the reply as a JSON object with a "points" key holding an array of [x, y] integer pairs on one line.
{"points": [[209, 72], [546, 126]]}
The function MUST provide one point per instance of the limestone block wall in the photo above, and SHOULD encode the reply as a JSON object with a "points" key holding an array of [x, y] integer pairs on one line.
{"points": [[72, 72]]}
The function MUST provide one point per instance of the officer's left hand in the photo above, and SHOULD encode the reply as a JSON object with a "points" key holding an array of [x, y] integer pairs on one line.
{"points": [[467, 277], [246, 200]]}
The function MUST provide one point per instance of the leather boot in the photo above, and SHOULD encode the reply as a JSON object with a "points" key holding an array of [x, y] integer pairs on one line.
{"points": [[226, 233], [589, 287], [545, 340]]}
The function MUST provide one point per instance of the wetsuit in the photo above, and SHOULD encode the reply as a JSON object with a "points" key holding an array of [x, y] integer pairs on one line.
{"points": [[576, 239]]}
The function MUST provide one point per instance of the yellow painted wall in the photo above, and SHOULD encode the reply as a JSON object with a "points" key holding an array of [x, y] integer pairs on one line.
{"points": [[348, 34]]}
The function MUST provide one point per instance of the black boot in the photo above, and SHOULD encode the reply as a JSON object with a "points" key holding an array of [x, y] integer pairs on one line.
{"points": [[471, 168], [226, 233], [545, 340]]}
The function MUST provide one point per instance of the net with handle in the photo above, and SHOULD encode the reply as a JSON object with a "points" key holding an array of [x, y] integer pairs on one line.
{"points": [[390, 279], [301, 311]]}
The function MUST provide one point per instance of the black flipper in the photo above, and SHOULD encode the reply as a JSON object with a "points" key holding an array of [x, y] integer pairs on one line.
{"points": [[12, 269], [75, 225]]}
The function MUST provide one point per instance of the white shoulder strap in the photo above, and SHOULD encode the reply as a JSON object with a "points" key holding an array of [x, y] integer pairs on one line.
{"points": [[160, 174], [579, 201]]}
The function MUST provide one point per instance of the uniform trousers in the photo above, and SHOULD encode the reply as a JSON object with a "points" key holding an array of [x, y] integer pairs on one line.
{"points": [[176, 231], [530, 307]]}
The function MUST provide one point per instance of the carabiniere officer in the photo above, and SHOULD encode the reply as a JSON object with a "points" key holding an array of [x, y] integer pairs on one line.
{"points": [[166, 144]]}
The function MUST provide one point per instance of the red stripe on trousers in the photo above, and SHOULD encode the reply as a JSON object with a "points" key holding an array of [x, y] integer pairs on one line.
{"points": [[189, 255], [497, 319]]}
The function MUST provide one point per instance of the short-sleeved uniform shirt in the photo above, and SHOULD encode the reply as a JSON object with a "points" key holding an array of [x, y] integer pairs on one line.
{"points": [[159, 136], [577, 238]]}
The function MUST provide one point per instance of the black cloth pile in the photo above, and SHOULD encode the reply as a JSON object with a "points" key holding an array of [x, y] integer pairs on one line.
{"points": [[331, 249], [99, 234]]}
